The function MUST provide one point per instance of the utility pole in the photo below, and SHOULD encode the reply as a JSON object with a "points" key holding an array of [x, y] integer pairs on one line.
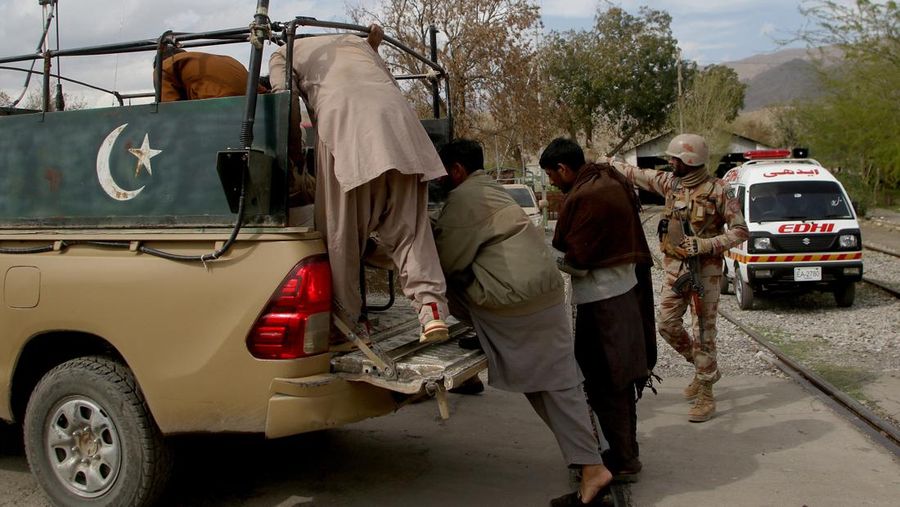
{"points": [[680, 102], [48, 10]]}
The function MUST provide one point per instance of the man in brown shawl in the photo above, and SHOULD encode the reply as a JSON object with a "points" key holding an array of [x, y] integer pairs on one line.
{"points": [[373, 161], [599, 231]]}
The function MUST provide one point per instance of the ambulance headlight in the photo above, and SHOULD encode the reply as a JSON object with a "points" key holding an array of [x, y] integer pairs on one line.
{"points": [[847, 241], [762, 243]]}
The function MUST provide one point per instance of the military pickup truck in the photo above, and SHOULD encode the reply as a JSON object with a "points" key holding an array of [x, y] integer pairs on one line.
{"points": [[152, 285]]}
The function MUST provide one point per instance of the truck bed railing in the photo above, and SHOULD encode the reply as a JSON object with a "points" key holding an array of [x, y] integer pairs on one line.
{"points": [[188, 40]]}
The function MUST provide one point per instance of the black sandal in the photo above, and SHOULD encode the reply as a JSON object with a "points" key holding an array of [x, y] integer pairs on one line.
{"points": [[573, 499]]}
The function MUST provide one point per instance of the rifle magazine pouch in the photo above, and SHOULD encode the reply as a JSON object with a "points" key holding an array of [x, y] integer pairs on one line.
{"points": [[671, 238]]}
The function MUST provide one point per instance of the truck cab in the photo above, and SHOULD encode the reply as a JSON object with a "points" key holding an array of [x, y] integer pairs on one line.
{"points": [[804, 233], [154, 285]]}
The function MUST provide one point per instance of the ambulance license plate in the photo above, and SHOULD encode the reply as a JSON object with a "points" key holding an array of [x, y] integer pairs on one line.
{"points": [[810, 274]]}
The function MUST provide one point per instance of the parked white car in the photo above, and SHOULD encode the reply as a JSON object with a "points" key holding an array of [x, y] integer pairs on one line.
{"points": [[524, 196]]}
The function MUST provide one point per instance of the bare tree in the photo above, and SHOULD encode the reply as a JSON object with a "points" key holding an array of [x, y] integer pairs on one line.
{"points": [[712, 101], [34, 100], [487, 48]]}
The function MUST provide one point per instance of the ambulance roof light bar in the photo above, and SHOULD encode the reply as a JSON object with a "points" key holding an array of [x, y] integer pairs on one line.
{"points": [[766, 154]]}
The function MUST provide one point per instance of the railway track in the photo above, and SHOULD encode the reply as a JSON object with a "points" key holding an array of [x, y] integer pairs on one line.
{"points": [[887, 288], [878, 429]]}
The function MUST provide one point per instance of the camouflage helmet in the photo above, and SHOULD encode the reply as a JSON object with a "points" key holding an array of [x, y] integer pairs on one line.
{"points": [[689, 148]]}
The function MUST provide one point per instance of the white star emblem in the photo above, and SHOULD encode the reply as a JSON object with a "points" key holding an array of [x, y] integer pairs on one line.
{"points": [[144, 154]]}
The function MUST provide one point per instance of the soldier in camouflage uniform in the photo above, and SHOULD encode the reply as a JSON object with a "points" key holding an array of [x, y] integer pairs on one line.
{"points": [[692, 232]]}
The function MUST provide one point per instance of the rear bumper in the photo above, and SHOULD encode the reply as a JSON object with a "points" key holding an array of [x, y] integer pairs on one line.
{"points": [[322, 401], [781, 276]]}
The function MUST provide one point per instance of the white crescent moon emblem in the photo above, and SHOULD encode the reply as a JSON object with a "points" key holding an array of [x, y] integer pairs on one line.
{"points": [[103, 175]]}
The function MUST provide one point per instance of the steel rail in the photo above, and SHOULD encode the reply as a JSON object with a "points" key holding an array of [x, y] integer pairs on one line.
{"points": [[892, 253], [890, 290], [882, 431]]}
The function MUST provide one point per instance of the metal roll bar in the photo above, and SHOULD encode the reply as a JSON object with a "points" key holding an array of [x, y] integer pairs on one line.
{"points": [[231, 36]]}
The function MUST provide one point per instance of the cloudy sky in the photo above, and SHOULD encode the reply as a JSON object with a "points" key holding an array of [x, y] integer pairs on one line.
{"points": [[708, 31]]}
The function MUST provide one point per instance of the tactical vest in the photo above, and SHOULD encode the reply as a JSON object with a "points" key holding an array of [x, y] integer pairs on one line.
{"points": [[688, 212]]}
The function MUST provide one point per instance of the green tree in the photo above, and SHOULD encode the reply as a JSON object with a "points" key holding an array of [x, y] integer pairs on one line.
{"points": [[638, 71], [712, 100], [620, 76], [863, 29], [569, 61], [854, 125]]}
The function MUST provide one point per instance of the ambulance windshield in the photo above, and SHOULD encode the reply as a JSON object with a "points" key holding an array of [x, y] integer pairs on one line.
{"points": [[797, 200]]}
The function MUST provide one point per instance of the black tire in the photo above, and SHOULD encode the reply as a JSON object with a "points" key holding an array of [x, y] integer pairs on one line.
{"points": [[723, 283], [845, 294], [743, 292], [90, 439]]}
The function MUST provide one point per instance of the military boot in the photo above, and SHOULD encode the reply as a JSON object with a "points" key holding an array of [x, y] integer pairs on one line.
{"points": [[704, 404], [690, 392]]}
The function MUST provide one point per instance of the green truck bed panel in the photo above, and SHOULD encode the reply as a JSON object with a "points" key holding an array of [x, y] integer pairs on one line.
{"points": [[146, 165]]}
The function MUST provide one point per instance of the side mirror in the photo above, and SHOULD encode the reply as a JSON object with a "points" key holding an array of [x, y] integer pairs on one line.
{"points": [[543, 203]]}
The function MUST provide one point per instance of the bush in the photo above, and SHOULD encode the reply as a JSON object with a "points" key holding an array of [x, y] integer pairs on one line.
{"points": [[860, 194]]}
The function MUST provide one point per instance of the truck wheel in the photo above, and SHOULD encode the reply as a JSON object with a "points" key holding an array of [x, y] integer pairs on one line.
{"points": [[743, 292], [845, 294], [90, 439]]}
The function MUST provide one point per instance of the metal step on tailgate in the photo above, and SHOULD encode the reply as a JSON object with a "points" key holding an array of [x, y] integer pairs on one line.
{"points": [[412, 367]]}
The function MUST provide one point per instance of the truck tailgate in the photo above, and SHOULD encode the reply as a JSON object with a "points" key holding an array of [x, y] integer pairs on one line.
{"points": [[417, 367]]}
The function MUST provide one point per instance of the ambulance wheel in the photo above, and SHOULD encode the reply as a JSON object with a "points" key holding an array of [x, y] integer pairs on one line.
{"points": [[723, 283], [844, 294], [743, 292]]}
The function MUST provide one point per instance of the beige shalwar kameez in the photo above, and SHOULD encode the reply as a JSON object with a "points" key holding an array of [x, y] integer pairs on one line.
{"points": [[373, 159]]}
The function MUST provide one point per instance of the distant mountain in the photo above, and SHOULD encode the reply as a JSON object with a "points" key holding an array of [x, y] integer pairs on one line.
{"points": [[781, 77], [785, 83], [749, 68]]}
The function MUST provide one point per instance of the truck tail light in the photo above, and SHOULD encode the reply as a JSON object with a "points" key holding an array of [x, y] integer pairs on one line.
{"points": [[296, 321]]}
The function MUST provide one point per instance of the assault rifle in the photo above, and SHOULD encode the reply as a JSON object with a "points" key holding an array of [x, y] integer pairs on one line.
{"points": [[691, 279]]}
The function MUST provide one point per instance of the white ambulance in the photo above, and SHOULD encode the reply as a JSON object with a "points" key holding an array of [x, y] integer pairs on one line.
{"points": [[803, 230]]}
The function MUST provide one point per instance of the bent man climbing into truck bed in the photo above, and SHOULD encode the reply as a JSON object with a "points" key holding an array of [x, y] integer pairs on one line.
{"points": [[373, 159]]}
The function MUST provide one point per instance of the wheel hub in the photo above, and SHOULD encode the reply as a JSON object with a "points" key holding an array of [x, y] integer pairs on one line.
{"points": [[83, 446]]}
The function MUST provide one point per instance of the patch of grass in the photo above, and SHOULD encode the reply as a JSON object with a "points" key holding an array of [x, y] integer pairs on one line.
{"points": [[803, 350], [774, 335], [848, 379], [800, 350]]}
